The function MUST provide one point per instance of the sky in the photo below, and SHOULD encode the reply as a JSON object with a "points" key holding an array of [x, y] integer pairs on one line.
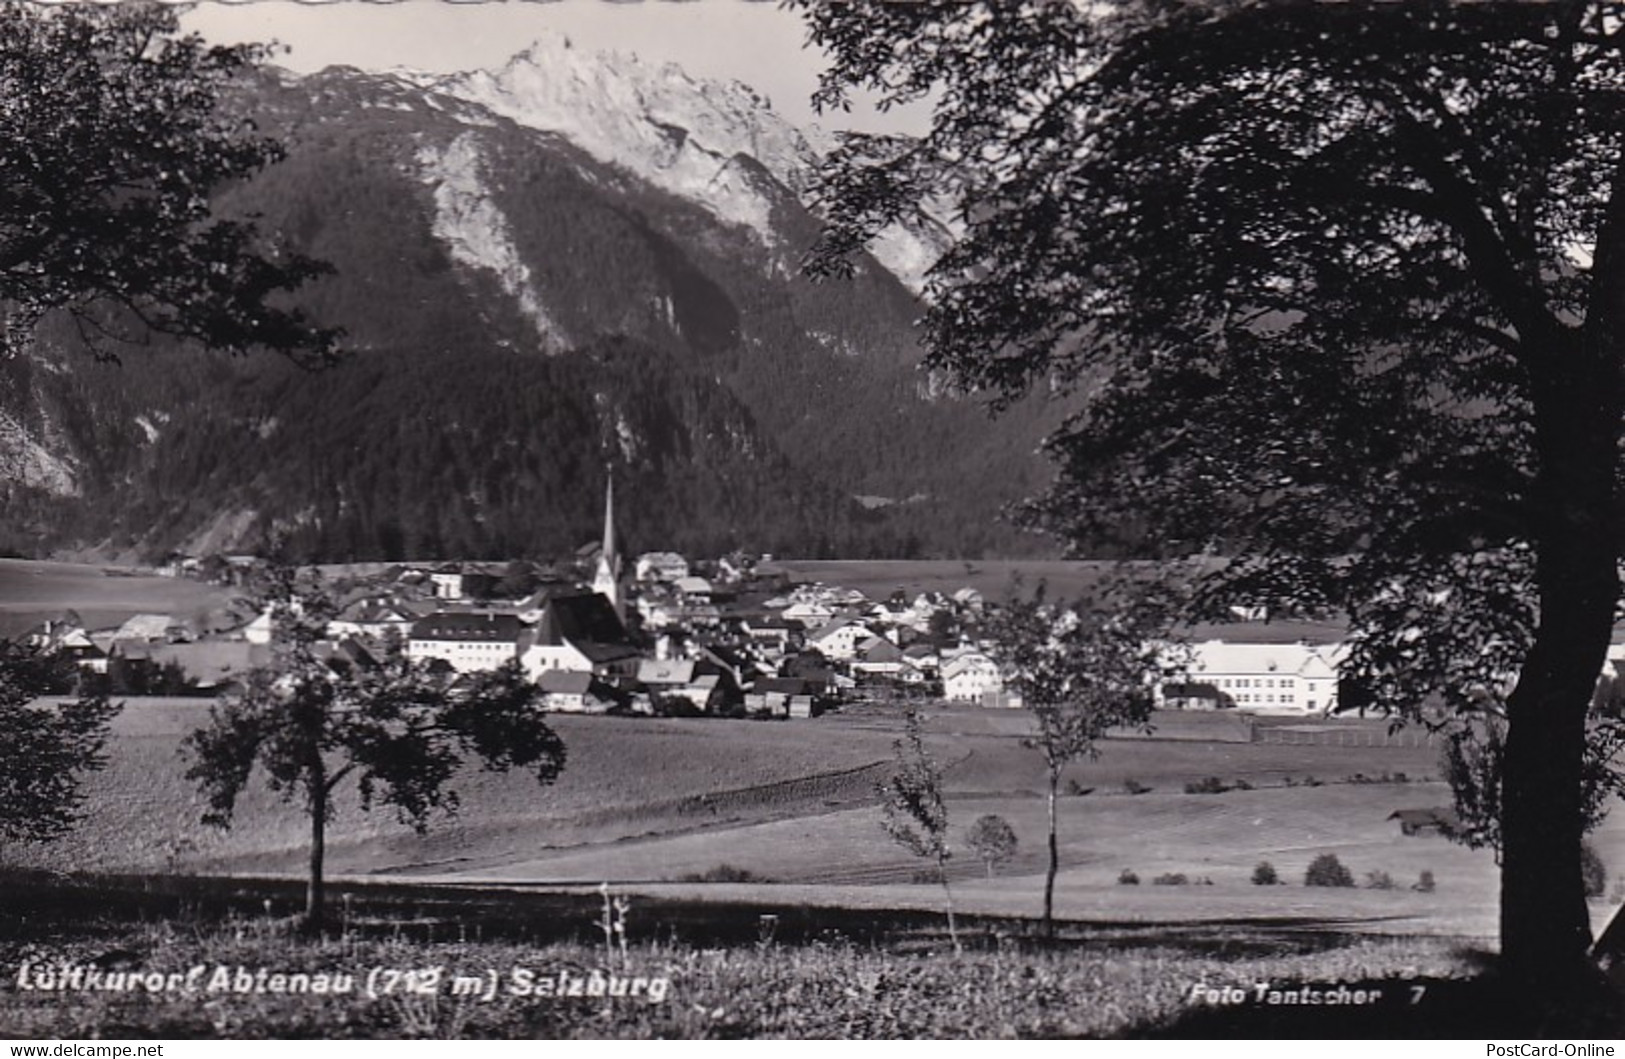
{"points": [[753, 41]]}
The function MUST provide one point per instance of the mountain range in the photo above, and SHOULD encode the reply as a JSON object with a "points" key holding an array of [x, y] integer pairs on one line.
{"points": [[573, 267]]}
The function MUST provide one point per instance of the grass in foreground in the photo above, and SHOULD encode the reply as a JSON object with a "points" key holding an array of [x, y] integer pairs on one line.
{"points": [[405, 989]]}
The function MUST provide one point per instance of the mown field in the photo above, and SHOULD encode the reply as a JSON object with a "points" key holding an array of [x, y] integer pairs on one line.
{"points": [[788, 811], [102, 594]]}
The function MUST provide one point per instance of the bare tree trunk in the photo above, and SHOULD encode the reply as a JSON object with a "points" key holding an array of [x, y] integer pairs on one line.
{"points": [[1054, 858], [316, 886], [948, 893]]}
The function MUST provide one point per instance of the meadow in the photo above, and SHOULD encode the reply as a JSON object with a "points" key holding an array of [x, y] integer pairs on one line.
{"points": [[784, 813], [103, 595], [1000, 988]]}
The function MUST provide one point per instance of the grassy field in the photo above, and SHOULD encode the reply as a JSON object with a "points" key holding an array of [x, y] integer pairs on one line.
{"points": [[103, 595], [650, 804], [832, 989]]}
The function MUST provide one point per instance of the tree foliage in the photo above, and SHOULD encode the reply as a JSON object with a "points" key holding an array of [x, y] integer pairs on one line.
{"points": [[993, 839], [914, 812], [1081, 670], [400, 730], [45, 748], [1334, 289], [113, 138]]}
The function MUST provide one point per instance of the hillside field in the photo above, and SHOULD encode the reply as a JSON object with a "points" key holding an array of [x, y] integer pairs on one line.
{"points": [[789, 809]]}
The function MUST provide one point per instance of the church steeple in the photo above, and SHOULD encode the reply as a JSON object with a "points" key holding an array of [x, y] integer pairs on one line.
{"points": [[607, 578]]}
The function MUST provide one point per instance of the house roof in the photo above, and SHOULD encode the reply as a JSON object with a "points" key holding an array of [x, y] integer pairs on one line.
{"points": [[666, 671], [564, 682], [587, 622], [779, 686], [836, 625], [144, 627], [1264, 659], [478, 627]]}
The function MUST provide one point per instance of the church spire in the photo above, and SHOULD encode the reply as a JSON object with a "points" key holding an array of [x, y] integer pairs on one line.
{"points": [[607, 578]]}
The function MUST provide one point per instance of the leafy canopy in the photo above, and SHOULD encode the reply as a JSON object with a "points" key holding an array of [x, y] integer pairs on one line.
{"points": [[114, 135], [45, 748], [401, 729], [1081, 670], [1303, 269]]}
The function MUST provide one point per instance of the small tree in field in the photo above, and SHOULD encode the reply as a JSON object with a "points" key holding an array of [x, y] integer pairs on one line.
{"points": [[1080, 671], [916, 817], [993, 839], [400, 730], [45, 749]]}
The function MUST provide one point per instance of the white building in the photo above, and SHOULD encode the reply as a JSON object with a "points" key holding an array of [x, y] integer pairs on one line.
{"points": [[970, 676], [468, 642], [1293, 678], [840, 639], [660, 566]]}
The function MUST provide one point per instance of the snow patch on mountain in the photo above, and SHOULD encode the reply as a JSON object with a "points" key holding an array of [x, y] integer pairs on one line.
{"points": [[683, 134], [476, 232]]}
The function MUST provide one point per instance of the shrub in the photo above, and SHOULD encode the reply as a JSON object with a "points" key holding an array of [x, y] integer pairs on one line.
{"points": [[1424, 883], [726, 873], [1170, 878], [1210, 785], [1379, 880], [1134, 786], [1327, 870], [1264, 874], [1126, 877], [1593, 870], [1241, 785], [1310, 781]]}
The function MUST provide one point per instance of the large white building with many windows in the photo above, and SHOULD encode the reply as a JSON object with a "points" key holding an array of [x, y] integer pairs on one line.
{"points": [[1291, 678]]}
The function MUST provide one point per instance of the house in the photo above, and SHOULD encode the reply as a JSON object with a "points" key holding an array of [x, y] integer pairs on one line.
{"points": [[879, 657], [924, 658], [697, 589], [446, 582], [468, 641], [839, 639], [1289, 678], [810, 613], [660, 566], [568, 691], [579, 633], [700, 681], [144, 628], [969, 676], [781, 635], [372, 619], [781, 697]]}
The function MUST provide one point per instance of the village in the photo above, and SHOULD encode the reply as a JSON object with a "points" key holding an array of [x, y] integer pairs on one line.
{"points": [[656, 635]]}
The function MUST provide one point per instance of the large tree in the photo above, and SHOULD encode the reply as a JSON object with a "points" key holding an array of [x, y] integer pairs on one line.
{"points": [[115, 133], [1340, 291], [317, 718]]}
